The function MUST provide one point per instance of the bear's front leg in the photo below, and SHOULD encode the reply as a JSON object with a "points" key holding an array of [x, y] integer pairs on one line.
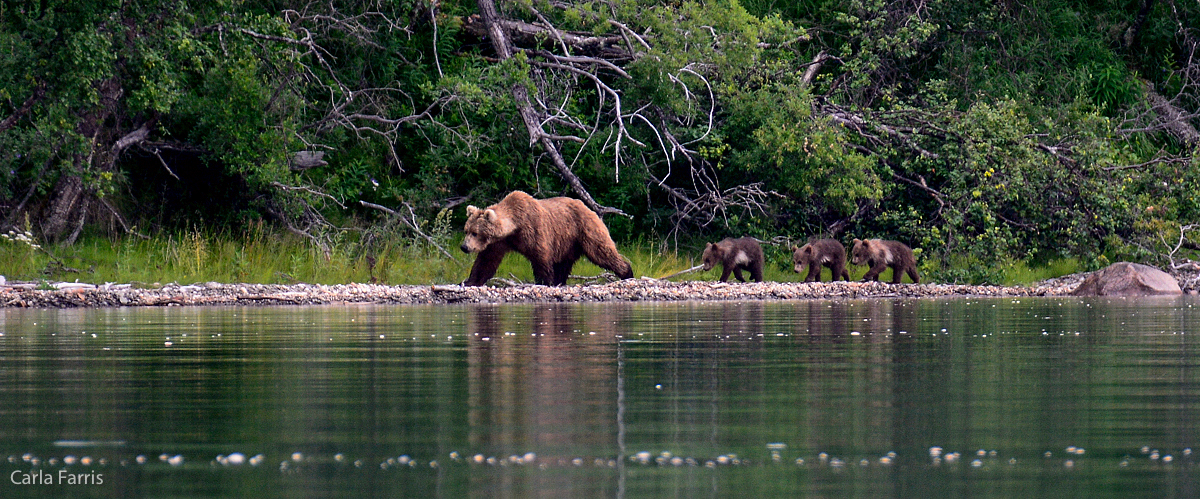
{"points": [[486, 264], [873, 274], [814, 273], [897, 274], [737, 272]]}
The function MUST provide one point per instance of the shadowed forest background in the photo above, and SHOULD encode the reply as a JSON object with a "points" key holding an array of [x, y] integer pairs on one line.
{"points": [[985, 135]]}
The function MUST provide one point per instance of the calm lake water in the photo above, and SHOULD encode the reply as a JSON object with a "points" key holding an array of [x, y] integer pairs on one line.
{"points": [[1046, 397]]}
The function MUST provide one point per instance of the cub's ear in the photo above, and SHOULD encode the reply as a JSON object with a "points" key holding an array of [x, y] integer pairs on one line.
{"points": [[472, 210], [857, 240], [490, 215], [866, 244], [795, 248]]}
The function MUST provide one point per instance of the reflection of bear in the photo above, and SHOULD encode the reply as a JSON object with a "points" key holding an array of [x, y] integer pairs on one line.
{"points": [[827, 252], [552, 233], [880, 254], [735, 255]]}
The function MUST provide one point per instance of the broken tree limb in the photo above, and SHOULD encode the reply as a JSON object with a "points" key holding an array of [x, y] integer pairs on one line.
{"points": [[495, 28]]}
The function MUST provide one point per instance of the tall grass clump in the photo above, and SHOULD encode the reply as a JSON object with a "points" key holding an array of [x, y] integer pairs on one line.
{"points": [[261, 255]]}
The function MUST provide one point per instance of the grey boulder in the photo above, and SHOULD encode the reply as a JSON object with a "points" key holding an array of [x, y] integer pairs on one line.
{"points": [[1128, 279]]}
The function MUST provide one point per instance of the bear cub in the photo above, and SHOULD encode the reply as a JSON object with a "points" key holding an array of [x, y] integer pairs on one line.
{"points": [[880, 254], [735, 255], [552, 233], [827, 252]]}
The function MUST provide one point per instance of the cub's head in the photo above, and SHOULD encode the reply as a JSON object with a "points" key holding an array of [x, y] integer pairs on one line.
{"points": [[801, 256], [861, 252], [484, 227], [713, 254]]}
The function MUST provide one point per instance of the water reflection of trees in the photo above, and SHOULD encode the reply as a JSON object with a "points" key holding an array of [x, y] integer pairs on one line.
{"points": [[544, 380]]}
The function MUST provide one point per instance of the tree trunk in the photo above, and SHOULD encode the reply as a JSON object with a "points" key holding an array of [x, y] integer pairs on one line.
{"points": [[57, 216]]}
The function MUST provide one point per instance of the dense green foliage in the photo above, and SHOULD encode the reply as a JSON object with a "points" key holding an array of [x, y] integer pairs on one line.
{"points": [[983, 134]]}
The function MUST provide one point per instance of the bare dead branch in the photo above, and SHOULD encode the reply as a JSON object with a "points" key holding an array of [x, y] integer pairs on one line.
{"points": [[937, 195], [121, 220], [164, 163], [38, 93], [308, 190], [1160, 160], [411, 222], [814, 67]]}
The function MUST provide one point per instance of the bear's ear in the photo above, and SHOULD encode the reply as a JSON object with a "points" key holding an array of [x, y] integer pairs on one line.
{"points": [[471, 211], [490, 215], [857, 240], [866, 243]]}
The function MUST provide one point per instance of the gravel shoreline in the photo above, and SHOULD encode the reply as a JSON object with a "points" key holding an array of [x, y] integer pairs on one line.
{"points": [[73, 295]]}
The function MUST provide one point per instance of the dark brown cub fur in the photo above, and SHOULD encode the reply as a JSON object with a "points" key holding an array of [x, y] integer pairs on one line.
{"points": [[827, 252], [735, 255], [880, 254]]}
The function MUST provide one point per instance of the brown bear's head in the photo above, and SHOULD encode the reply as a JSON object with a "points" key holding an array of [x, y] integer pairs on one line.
{"points": [[801, 256], [713, 255], [861, 252], [483, 228]]}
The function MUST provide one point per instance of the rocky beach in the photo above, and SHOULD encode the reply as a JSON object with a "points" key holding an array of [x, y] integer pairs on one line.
{"points": [[70, 295]]}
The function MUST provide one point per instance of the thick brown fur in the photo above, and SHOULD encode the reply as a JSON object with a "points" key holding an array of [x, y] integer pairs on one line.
{"points": [[735, 255], [552, 233], [827, 252], [880, 254]]}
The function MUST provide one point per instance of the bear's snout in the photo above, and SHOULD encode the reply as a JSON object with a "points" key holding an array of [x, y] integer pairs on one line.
{"points": [[464, 247]]}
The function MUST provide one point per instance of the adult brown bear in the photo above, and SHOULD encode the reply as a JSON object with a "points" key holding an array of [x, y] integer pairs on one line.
{"points": [[735, 255], [552, 233], [880, 254], [827, 252]]}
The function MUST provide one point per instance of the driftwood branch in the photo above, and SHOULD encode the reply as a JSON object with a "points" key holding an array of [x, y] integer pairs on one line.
{"points": [[681, 272]]}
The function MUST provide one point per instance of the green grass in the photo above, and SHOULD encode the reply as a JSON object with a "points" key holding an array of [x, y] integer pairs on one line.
{"points": [[267, 257]]}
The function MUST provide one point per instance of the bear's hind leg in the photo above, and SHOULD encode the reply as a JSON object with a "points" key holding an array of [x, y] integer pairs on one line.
{"points": [[737, 272], [604, 254], [912, 274], [839, 272]]}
